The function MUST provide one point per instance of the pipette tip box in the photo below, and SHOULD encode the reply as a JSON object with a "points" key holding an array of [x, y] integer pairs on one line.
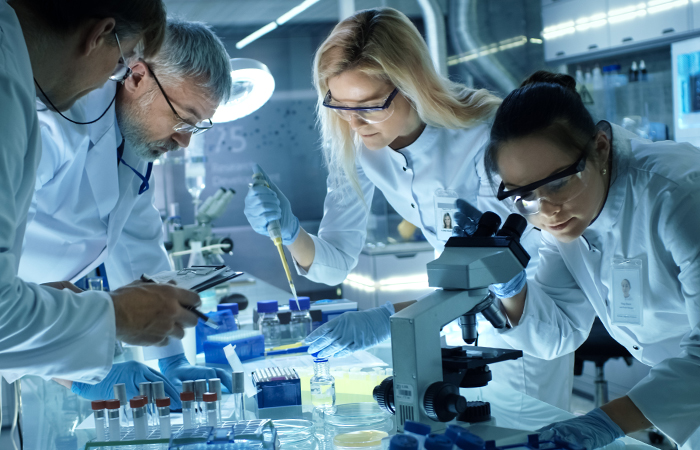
{"points": [[248, 345], [277, 387]]}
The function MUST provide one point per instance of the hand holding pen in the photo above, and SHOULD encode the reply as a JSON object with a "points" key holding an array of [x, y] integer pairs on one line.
{"points": [[206, 319]]}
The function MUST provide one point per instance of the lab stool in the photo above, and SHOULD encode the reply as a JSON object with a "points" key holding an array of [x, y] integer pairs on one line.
{"points": [[599, 348]]}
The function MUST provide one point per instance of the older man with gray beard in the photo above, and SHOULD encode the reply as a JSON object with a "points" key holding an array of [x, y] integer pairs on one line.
{"points": [[94, 201]]}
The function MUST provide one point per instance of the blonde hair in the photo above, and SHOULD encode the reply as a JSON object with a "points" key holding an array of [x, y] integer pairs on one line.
{"points": [[383, 43]]}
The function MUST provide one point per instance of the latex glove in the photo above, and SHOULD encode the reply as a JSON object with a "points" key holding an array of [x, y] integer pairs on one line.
{"points": [[264, 204], [131, 373], [149, 313], [177, 369], [593, 430], [351, 331]]}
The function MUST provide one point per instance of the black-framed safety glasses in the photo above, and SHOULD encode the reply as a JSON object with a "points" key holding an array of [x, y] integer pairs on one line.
{"points": [[369, 114], [577, 167], [183, 126]]}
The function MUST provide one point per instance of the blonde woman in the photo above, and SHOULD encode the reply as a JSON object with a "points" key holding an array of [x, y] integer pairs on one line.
{"points": [[390, 122]]}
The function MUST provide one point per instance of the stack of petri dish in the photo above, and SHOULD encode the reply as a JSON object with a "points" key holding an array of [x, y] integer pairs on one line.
{"points": [[357, 425]]}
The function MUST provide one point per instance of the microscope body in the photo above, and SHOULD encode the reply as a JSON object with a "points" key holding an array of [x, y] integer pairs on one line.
{"points": [[427, 377]]}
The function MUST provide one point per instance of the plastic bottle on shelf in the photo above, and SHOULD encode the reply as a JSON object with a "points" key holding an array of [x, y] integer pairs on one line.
{"points": [[588, 80], [269, 323], [98, 410], [643, 75], [634, 72], [418, 430], [300, 322], [597, 79], [579, 78], [322, 385]]}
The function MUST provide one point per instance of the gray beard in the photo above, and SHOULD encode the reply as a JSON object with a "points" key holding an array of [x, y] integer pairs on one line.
{"points": [[132, 126]]}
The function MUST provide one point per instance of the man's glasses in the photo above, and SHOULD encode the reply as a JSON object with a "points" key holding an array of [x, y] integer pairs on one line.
{"points": [[122, 71], [183, 126]]}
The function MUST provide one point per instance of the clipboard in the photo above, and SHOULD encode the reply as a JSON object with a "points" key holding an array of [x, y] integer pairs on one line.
{"points": [[195, 278]]}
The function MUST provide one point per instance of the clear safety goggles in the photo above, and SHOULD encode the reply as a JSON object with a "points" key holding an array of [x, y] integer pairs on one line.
{"points": [[122, 71], [557, 189], [368, 114]]}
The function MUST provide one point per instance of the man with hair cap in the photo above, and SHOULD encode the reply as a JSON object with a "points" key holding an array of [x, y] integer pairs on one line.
{"points": [[61, 50], [94, 199]]}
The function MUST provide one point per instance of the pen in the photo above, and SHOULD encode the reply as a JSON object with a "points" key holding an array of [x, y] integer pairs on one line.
{"points": [[206, 319]]}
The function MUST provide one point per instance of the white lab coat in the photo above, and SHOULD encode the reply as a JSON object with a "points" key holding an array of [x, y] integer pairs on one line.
{"points": [[86, 208], [43, 331], [439, 159], [652, 212]]}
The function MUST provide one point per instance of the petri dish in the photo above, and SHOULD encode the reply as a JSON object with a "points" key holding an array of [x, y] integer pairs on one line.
{"points": [[293, 430], [359, 440], [356, 414]]}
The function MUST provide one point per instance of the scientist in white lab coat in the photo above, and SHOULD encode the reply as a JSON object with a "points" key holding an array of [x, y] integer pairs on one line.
{"points": [[611, 207], [68, 48], [390, 122], [94, 199]]}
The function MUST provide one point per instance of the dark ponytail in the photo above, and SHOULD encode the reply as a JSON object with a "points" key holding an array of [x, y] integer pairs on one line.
{"points": [[547, 105]]}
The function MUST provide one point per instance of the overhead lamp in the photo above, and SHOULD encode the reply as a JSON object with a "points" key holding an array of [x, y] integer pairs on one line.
{"points": [[281, 20], [253, 86]]}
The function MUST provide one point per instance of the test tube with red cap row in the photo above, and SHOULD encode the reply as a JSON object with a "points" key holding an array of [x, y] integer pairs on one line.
{"points": [[98, 411], [138, 411], [187, 399], [115, 430], [210, 408], [163, 405]]}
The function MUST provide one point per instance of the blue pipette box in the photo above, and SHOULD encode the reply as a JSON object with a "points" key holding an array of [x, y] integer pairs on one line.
{"points": [[277, 391], [248, 347]]}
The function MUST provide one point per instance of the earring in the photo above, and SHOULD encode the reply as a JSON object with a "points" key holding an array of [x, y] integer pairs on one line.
{"points": [[605, 171]]}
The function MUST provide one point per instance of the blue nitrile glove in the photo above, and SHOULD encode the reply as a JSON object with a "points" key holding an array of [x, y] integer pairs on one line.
{"points": [[131, 373], [264, 204], [177, 369], [467, 218], [351, 331], [593, 430]]}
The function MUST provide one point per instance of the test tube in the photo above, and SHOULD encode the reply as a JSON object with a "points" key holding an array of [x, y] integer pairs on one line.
{"points": [[157, 391], [215, 387], [188, 386], [120, 394], [98, 410], [138, 410], [146, 390], [238, 382], [200, 387], [115, 431], [209, 399], [187, 399], [163, 405]]}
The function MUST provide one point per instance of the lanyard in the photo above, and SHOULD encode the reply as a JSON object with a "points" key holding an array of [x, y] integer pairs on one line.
{"points": [[144, 185]]}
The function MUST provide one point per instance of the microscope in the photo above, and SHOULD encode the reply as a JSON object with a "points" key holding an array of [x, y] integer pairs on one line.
{"points": [[427, 377], [181, 238]]}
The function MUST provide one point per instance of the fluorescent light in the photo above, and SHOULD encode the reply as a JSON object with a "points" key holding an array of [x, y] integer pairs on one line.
{"points": [[255, 35], [666, 6], [253, 87], [628, 16], [558, 33], [559, 26], [286, 17], [589, 25], [626, 9], [539, 41]]}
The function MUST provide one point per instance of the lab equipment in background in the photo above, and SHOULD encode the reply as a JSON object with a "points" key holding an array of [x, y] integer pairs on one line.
{"points": [[120, 394], [140, 415], [95, 284], [427, 378], [113, 417], [277, 387], [417, 430], [215, 387], [180, 238], [200, 387], [238, 394], [685, 60], [98, 408], [253, 86], [187, 399], [322, 385], [195, 169], [300, 323], [269, 323], [275, 231], [249, 344], [163, 405], [209, 399]]}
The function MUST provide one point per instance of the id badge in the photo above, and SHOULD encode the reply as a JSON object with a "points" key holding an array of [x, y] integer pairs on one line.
{"points": [[627, 291], [445, 210]]}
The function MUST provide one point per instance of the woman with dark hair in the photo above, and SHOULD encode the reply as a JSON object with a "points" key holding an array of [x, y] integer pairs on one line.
{"points": [[609, 204]]}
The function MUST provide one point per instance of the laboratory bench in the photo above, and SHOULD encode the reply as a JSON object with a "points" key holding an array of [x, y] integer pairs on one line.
{"points": [[56, 419]]}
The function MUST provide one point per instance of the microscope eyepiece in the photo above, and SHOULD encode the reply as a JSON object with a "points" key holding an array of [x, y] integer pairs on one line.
{"points": [[488, 225], [514, 227]]}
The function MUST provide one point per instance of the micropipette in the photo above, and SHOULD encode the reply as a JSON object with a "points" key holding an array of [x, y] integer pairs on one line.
{"points": [[275, 231]]}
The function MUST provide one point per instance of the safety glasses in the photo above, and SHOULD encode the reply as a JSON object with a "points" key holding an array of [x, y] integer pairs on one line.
{"points": [[556, 189], [368, 114], [122, 71]]}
